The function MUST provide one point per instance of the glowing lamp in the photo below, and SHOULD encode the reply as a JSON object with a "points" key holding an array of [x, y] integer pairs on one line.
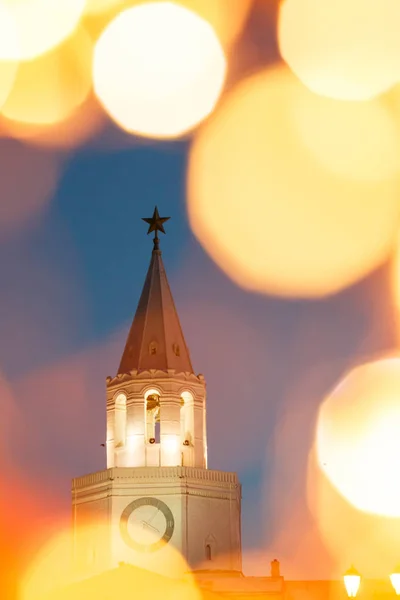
{"points": [[395, 580], [352, 580]]}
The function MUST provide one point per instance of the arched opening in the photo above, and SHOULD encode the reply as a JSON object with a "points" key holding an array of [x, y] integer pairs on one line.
{"points": [[120, 421], [187, 419], [153, 417], [210, 546], [208, 552]]}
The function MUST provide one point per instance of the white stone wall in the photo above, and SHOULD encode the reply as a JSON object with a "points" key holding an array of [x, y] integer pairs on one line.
{"points": [[209, 521], [91, 534], [205, 505]]}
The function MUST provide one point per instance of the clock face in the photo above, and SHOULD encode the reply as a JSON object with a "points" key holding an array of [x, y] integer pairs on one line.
{"points": [[146, 524]]}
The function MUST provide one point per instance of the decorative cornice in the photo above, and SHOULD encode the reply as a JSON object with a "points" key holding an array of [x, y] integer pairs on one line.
{"points": [[153, 374], [154, 475], [106, 493]]}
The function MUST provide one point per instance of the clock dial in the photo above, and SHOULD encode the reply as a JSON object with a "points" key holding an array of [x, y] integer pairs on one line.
{"points": [[146, 524]]}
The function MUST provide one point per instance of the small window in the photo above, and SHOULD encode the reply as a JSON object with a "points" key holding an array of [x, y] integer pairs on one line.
{"points": [[176, 349], [208, 552], [153, 348]]}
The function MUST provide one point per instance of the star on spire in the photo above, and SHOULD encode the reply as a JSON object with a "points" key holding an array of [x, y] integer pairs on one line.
{"points": [[156, 224]]}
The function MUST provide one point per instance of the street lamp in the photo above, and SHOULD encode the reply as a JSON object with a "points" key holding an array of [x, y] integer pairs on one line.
{"points": [[395, 579], [352, 580]]}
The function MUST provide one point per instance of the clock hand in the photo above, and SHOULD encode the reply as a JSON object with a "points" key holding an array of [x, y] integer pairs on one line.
{"points": [[153, 516], [148, 526]]}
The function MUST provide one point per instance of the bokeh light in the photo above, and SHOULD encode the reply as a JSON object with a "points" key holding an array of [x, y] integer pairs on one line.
{"points": [[269, 214], [8, 69], [227, 17], [348, 49], [65, 569], [349, 534], [358, 445], [94, 7], [9, 38], [357, 140], [395, 282], [8, 72], [78, 128], [158, 69], [39, 25], [47, 90], [29, 513]]}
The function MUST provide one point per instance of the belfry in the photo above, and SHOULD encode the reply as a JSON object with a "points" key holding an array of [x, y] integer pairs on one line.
{"points": [[157, 489]]}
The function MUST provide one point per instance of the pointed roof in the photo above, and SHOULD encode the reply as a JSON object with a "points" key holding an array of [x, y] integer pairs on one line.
{"points": [[155, 340]]}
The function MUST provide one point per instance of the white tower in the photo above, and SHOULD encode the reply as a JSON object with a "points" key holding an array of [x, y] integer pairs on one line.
{"points": [[157, 489]]}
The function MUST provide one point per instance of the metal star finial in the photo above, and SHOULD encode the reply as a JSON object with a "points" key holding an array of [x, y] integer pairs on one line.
{"points": [[156, 224]]}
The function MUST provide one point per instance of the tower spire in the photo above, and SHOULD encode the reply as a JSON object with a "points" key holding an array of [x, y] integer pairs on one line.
{"points": [[156, 340]]}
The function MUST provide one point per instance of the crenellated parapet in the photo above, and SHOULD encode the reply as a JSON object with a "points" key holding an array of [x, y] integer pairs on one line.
{"points": [[136, 376]]}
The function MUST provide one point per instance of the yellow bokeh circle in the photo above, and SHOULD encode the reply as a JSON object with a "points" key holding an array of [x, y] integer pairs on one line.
{"points": [[92, 562], [282, 213], [346, 49], [48, 89], [39, 25], [358, 442], [158, 69]]}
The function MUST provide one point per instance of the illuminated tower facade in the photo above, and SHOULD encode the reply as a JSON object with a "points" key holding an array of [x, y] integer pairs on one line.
{"points": [[157, 489]]}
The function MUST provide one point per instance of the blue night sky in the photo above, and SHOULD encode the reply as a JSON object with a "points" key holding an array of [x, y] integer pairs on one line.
{"points": [[71, 279]]}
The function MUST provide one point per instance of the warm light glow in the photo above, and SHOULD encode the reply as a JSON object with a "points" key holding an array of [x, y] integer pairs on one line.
{"points": [[395, 282], [40, 25], [347, 49], [94, 7], [356, 140], [8, 69], [348, 533], [80, 126], [170, 443], [358, 445], [226, 17], [47, 90], [52, 568], [187, 397], [158, 70], [95, 572], [8, 72], [352, 582], [270, 212], [395, 580], [9, 38]]}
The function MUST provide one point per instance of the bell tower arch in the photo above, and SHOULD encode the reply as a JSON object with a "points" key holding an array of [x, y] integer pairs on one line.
{"points": [[156, 447]]}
